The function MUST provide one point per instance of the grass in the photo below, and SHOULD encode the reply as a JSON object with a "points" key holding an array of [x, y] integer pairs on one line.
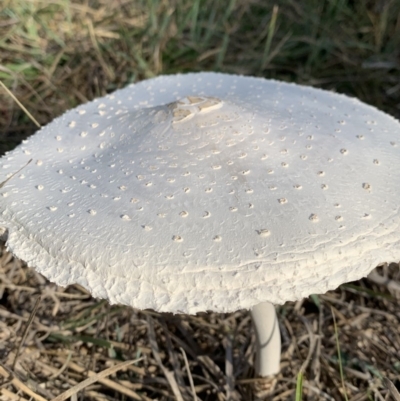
{"points": [[339, 357], [56, 54], [299, 387]]}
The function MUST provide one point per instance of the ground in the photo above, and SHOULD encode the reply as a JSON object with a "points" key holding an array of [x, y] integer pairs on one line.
{"points": [[56, 54]]}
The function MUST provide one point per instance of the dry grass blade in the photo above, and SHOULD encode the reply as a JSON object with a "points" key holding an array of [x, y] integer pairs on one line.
{"points": [[6, 395], [156, 353], [230, 379], [19, 104], [392, 389], [14, 174], [106, 382], [311, 348], [93, 379], [189, 374], [174, 360], [20, 385], [28, 325], [63, 367], [103, 64]]}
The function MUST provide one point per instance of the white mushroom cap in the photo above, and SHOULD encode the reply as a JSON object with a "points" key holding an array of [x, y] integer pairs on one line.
{"points": [[207, 191]]}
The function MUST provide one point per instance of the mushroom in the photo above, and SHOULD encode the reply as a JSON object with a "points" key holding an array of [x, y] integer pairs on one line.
{"points": [[208, 192]]}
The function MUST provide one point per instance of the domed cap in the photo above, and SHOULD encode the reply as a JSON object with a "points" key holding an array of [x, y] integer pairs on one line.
{"points": [[207, 191]]}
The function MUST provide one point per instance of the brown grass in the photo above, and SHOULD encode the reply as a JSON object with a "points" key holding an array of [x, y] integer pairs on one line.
{"points": [[74, 340]]}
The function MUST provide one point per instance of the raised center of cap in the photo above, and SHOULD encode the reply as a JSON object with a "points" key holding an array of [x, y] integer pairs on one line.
{"points": [[188, 107]]}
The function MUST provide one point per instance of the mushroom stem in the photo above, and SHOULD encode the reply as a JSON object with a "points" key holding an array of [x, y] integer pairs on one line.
{"points": [[268, 339]]}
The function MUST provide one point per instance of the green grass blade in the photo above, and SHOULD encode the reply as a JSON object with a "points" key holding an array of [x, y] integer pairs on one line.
{"points": [[339, 356], [299, 386], [270, 35]]}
